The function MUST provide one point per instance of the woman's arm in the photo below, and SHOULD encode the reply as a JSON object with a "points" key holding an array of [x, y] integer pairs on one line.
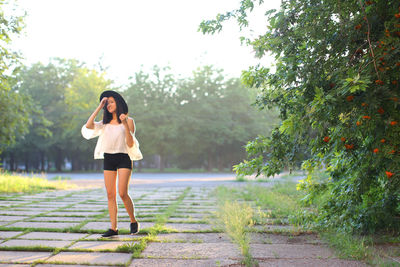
{"points": [[129, 127], [90, 121]]}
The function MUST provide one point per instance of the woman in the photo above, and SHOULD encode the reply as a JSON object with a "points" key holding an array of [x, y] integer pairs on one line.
{"points": [[118, 146]]}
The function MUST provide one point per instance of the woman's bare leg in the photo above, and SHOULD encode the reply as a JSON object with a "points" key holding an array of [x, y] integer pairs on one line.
{"points": [[110, 180], [124, 176]]}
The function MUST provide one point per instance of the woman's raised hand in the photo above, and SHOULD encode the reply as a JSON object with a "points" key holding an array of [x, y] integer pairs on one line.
{"points": [[103, 102], [123, 118]]}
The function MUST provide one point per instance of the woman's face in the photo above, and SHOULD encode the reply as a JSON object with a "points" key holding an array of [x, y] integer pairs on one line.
{"points": [[111, 104]]}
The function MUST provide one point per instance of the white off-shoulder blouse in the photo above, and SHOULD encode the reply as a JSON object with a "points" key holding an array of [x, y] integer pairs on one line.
{"points": [[111, 140]]}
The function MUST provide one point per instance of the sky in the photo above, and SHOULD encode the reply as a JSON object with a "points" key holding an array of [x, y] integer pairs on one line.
{"points": [[126, 36]]}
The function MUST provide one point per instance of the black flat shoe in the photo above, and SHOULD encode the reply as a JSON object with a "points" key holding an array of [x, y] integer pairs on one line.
{"points": [[110, 232], [135, 227]]}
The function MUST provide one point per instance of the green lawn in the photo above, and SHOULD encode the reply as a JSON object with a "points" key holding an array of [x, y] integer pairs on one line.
{"points": [[14, 183]]}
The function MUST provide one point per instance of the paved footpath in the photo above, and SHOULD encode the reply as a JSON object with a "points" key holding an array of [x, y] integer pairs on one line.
{"points": [[177, 229]]}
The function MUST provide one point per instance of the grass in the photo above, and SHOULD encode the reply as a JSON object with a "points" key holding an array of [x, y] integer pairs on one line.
{"points": [[282, 199], [12, 183], [263, 179], [282, 202], [60, 178], [235, 218]]}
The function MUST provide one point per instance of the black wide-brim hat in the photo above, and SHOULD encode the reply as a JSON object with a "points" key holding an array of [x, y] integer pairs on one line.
{"points": [[118, 98]]}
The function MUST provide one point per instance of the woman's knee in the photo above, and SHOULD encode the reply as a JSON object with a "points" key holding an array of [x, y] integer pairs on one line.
{"points": [[111, 195], [123, 194]]}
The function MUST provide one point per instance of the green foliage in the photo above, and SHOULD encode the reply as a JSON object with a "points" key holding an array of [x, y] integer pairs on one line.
{"points": [[194, 122], [61, 98], [14, 107], [234, 218], [336, 85], [203, 120], [10, 183]]}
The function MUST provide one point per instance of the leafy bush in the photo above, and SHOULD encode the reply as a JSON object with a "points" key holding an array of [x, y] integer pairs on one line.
{"points": [[336, 84]]}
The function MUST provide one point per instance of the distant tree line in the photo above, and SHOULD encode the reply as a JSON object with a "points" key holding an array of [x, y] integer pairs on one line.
{"points": [[202, 121]]}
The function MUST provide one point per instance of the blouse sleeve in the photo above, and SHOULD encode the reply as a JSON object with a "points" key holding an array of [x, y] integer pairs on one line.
{"points": [[134, 151], [92, 133]]}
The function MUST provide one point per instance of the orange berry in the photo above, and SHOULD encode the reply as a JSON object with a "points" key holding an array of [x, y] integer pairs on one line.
{"points": [[376, 150], [350, 98], [383, 140], [389, 174], [394, 82], [379, 82], [381, 111], [366, 117], [392, 152], [326, 139], [343, 139], [393, 123], [349, 146], [357, 27], [358, 123]]}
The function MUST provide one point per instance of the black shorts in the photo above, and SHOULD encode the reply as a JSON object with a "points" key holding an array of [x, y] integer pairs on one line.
{"points": [[112, 162]]}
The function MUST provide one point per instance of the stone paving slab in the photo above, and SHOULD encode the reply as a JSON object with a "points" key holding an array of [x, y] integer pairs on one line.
{"points": [[183, 263], [53, 235], [89, 206], [74, 213], [12, 218], [147, 213], [56, 219], [8, 234], [310, 263], [13, 265], [36, 210], [277, 227], [64, 265], [20, 213], [35, 243], [264, 238], [4, 223], [98, 245], [189, 226], [287, 251], [41, 205], [106, 225], [42, 225], [22, 256], [192, 250], [116, 238], [53, 205], [194, 237], [192, 215], [123, 220], [90, 258]]}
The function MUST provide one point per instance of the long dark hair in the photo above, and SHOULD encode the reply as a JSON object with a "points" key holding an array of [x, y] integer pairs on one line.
{"points": [[107, 116]]}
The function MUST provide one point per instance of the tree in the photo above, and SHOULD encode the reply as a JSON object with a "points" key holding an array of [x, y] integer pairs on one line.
{"points": [[13, 106], [335, 83], [81, 98], [154, 110], [218, 118], [45, 85]]}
